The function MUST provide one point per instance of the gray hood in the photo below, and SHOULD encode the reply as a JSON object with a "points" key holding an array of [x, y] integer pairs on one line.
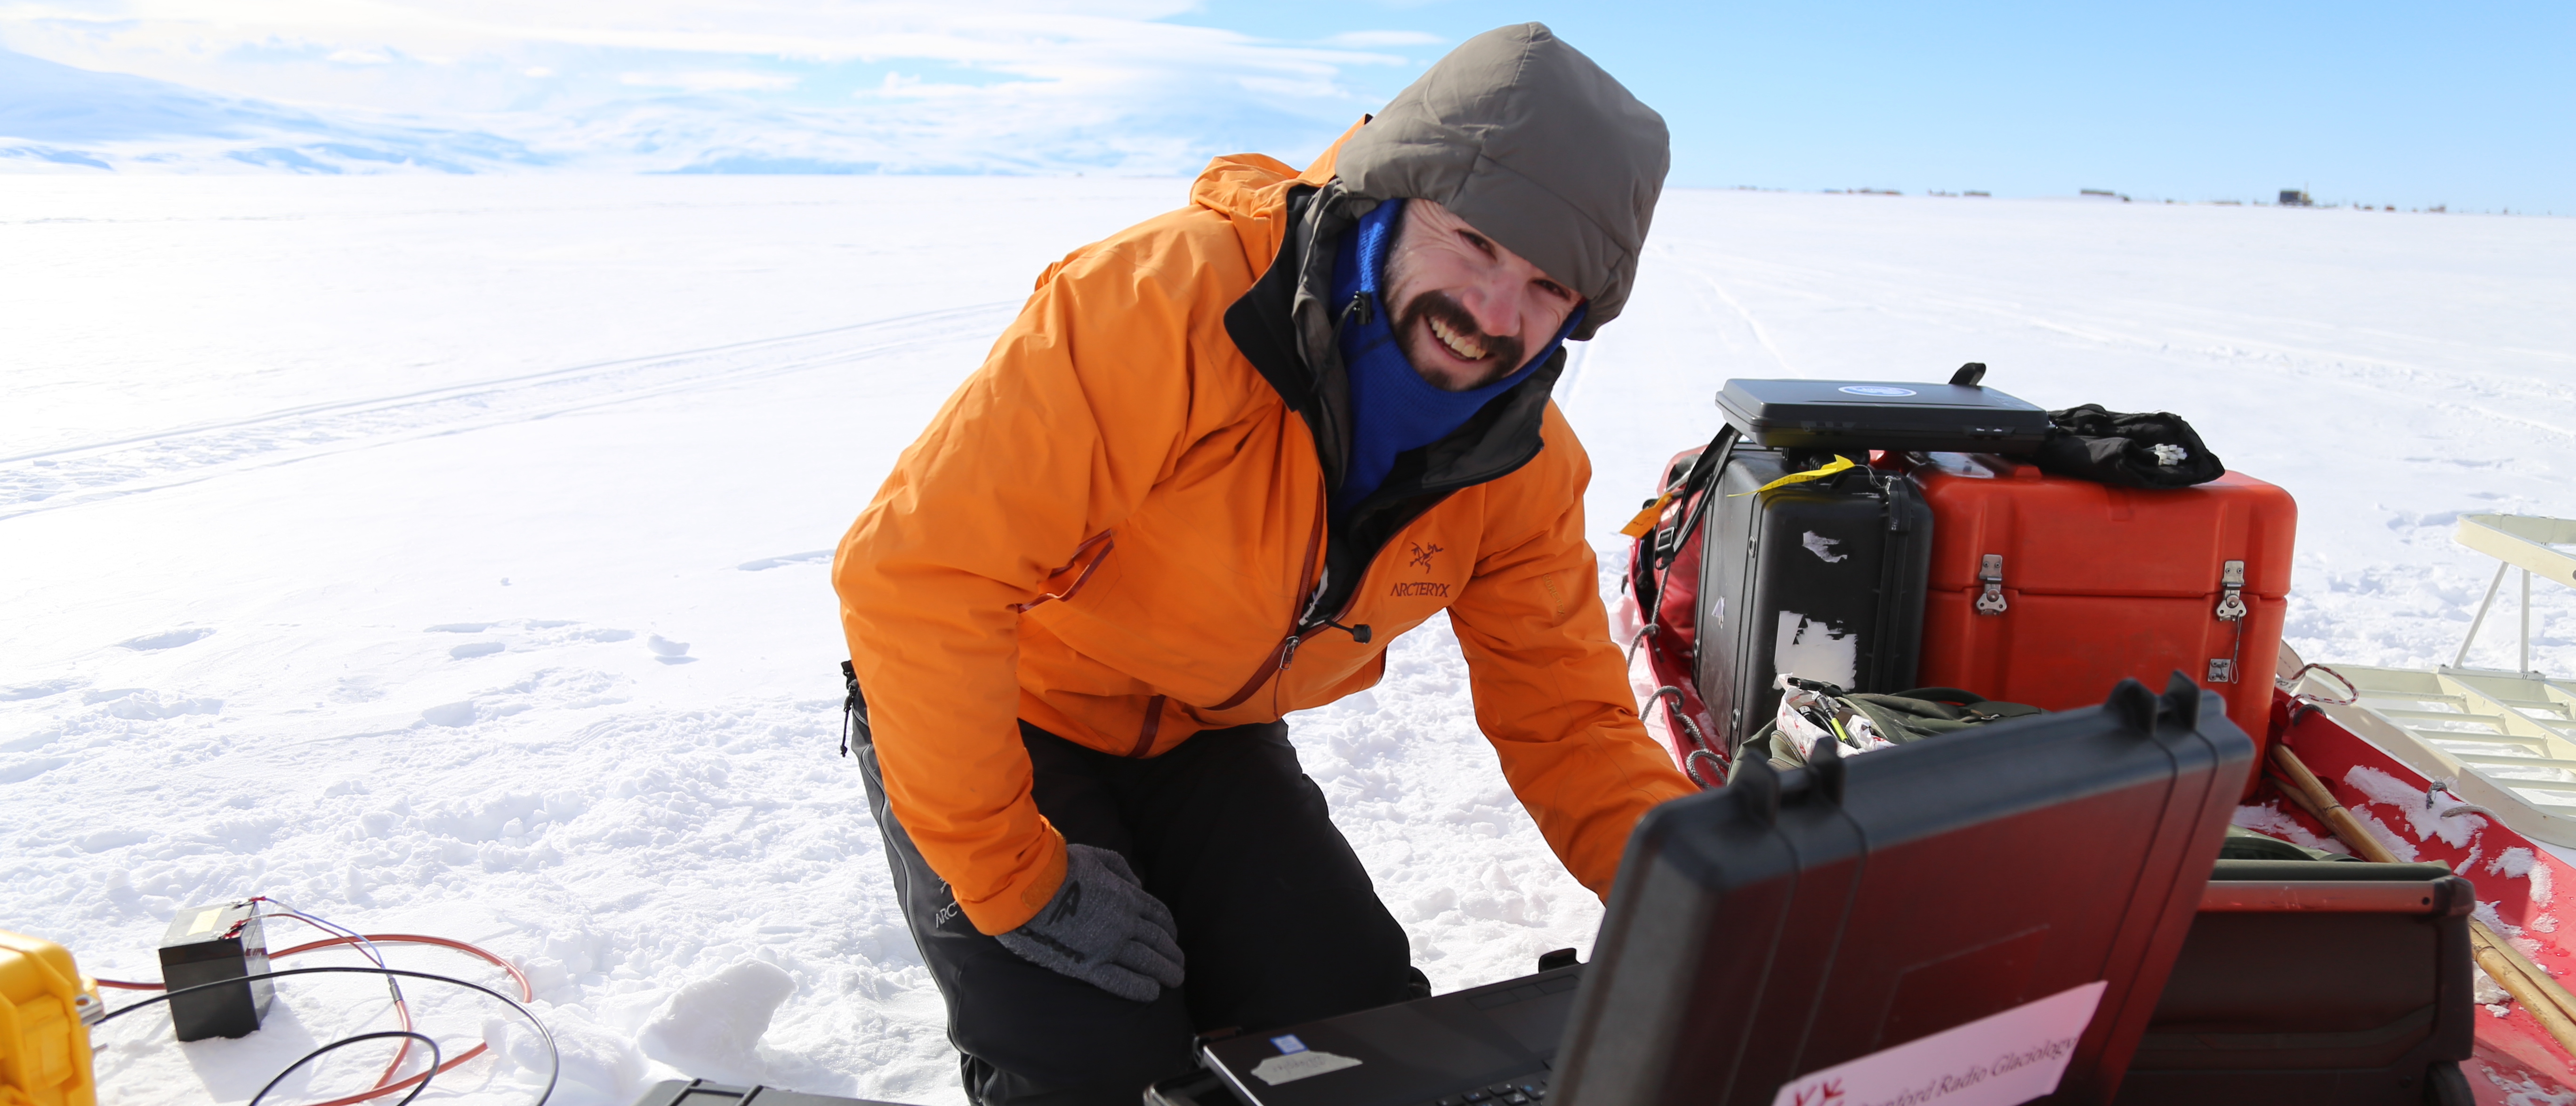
{"points": [[1532, 144]]}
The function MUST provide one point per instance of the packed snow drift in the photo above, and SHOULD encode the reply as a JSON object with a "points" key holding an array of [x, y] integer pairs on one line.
{"points": [[448, 555]]}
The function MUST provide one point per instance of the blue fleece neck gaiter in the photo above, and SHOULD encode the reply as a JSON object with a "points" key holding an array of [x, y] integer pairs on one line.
{"points": [[1392, 408]]}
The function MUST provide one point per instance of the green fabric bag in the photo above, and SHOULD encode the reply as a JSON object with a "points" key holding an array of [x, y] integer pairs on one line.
{"points": [[2246, 844], [1903, 717]]}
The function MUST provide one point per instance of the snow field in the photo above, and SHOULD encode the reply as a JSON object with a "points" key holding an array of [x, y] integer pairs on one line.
{"points": [[449, 555]]}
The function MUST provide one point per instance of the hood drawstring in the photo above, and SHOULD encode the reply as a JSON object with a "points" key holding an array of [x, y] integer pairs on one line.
{"points": [[851, 704]]}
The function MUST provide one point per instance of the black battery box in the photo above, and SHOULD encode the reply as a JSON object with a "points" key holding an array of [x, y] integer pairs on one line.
{"points": [[210, 944]]}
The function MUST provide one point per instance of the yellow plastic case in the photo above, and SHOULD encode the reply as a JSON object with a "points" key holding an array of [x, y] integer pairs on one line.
{"points": [[44, 1036]]}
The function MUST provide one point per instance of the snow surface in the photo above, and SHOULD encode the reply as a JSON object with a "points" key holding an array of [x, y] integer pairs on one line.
{"points": [[446, 555]]}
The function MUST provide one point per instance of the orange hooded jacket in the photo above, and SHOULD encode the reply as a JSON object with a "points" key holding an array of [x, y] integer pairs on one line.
{"points": [[1111, 529]]}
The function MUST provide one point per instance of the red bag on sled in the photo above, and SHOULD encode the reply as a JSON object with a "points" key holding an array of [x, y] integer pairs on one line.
{"points": [[1663, 581]]}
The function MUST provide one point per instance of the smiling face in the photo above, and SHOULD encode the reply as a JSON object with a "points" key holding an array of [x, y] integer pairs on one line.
{"points": [[1467, 311]]}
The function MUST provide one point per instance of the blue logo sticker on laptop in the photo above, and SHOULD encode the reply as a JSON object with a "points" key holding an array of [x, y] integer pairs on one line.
{"points": [[1875, 390], [1288, 1044]]}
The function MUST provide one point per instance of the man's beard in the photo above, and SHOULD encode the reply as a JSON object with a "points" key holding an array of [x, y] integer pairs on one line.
{"points": [[1503, 352]]}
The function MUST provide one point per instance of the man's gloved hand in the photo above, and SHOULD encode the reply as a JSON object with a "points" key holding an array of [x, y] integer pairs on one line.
{"points": [[1103, 928]]}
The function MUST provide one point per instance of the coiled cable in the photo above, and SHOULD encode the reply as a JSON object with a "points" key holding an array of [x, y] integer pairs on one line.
{"points": [[554, 1055]]}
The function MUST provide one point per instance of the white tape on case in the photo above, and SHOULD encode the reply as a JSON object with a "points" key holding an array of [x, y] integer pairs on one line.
{"points": [[1299, 1065]]}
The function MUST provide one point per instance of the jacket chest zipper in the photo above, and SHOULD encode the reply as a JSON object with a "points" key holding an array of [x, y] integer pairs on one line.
{"points": [[1276, 664]]}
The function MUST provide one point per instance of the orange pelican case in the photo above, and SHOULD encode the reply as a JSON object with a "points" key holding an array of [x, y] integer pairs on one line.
{"points": [[2048, 590]]}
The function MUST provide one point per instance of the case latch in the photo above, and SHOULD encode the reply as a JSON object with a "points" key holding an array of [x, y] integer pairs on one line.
{"points": [[1991, 570], [2231, 604]]}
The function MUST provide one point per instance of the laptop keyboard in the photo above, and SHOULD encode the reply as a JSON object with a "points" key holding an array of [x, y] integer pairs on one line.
{"points": [[1513, 1093]]}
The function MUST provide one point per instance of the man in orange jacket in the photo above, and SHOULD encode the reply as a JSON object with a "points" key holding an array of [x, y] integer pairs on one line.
{"points": [[1218, 462]]}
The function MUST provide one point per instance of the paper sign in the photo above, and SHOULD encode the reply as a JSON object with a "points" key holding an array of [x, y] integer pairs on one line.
{"points": [[2003, 1060]]}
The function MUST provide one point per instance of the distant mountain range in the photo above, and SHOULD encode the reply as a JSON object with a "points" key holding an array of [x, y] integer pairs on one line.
{"points": [[57, 118]]}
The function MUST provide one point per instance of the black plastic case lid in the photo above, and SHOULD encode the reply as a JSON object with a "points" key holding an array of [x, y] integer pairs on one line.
{"points": [[1878, 414]]}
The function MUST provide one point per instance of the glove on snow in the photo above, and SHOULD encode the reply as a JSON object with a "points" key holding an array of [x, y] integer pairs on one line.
{"points": [[1103, 928]]}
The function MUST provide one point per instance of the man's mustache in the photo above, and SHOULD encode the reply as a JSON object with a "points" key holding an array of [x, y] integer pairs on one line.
{"points": [[1503, 349]]}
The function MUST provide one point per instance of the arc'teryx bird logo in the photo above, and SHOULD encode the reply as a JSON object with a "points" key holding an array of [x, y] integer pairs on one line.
{"points": [[1421, 554], [1067, 905]]}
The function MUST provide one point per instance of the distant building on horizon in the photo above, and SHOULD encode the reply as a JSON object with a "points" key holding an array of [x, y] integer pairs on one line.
{"points": [[2296, 197]]}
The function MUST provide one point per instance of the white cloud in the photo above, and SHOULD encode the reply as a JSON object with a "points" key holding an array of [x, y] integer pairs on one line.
{"points": [[717, 80], [1371, 40], [1034, 38], [904, 86], [1014, 84]]}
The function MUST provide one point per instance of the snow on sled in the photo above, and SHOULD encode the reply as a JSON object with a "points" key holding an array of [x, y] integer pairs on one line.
{"points": [[2502, 740], [2141, 581]]}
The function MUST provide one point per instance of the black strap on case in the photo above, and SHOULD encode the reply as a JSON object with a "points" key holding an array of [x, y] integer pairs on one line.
{"points": [[1703, 471]]}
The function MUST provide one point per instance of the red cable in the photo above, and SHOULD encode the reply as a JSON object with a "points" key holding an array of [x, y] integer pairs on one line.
{"points": [[382, 1088], [525, 991], [402, 1007]]}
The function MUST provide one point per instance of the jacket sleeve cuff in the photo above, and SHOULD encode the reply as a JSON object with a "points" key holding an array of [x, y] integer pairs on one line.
{"points": [[1021, 899]]}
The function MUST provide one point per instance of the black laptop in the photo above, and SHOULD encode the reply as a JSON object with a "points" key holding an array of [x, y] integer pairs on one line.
{"points": [[1491, 1043], [1847, 415]]}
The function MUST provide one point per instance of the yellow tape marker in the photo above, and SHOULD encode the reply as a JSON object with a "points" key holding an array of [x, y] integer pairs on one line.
{"points": [[1838, 464]]}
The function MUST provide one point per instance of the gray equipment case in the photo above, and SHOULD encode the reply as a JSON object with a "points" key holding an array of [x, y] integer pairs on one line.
{"points": [[2316, 983], [1827, 576]]}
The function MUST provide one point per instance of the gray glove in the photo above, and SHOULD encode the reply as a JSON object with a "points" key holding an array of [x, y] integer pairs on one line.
{"points": [[1103, 929]]}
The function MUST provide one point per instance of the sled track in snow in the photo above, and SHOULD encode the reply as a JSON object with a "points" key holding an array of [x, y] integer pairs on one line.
{"points": [[87, 473]]}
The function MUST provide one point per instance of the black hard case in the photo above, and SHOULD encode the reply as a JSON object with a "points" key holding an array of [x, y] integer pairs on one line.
{"points": [[1846, 558], [701, 1092], [1794, 921], [2299, 985], [1849, 415]]}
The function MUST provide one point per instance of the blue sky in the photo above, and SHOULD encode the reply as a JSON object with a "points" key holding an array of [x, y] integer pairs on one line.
{"points": [[2468, 104], [2465, 104]]}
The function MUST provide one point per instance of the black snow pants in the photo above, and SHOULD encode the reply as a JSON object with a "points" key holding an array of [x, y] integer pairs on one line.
{"points": [[1277, 917]]}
